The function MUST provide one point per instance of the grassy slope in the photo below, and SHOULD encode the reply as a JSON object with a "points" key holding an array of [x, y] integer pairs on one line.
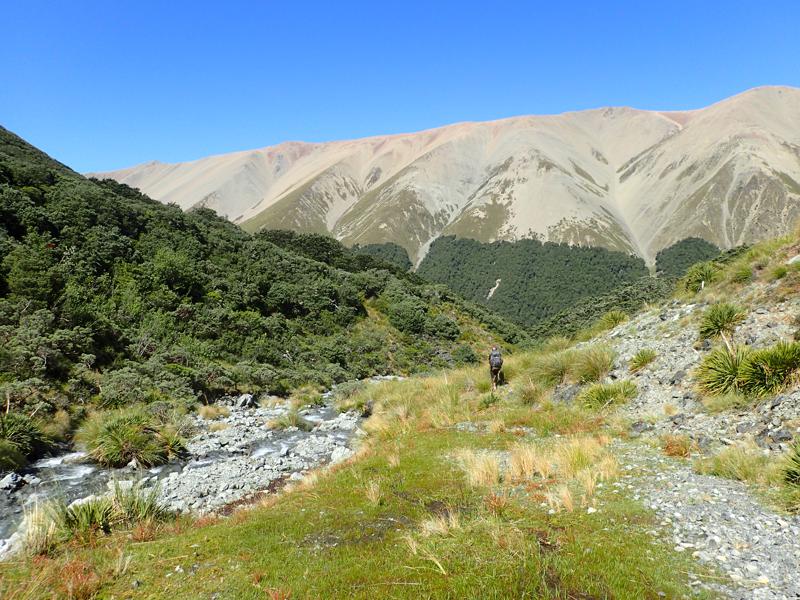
{"points": [[359, 530]]}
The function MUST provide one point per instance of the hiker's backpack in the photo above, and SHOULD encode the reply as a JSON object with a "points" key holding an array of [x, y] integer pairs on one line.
{"points": [[495, 360]]}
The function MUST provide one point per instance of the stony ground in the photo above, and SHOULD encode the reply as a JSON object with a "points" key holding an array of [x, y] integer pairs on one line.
{"points": [[720, 522]]}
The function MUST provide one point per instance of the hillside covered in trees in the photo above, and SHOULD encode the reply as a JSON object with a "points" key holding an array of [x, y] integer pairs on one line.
{"points": [[108, 299], [526, 280]]}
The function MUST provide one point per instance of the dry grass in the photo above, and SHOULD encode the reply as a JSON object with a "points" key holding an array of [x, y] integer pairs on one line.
{"points": [[670, 410], [373, 492], [441, 524], [218, 426], [526, 461], [561, 498], [678, 446], [481, 468], [211, 412]]}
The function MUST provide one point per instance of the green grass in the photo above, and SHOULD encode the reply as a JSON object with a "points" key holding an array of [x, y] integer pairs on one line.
{"points": [[641, 359], [740, 462], [700, 275], [725, 402], [291, 419], [332, 541]]}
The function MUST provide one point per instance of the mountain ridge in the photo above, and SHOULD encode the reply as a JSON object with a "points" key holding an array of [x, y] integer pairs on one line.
{"points": [[616, 177]]}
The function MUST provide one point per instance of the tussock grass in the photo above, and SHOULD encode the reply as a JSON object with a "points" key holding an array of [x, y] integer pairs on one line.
{"points": [[720, 320], [115, 438], [791, 471], [482, 469], [677, 446], [603, 395], [291, 419], [527, 461], [610, 320], [373, 492], [593, 363], [306, 395], [530, 393], [55, 523], [743, 462], [442, 524], [210, 412], [700, 275], [718, 373], [21, 439], [641, 359], [553, 368]]}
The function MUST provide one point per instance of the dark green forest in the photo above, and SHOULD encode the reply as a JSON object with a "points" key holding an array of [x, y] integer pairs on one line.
{"points": [[675, 260], [537, 279], [389, 252], [108, 299]]}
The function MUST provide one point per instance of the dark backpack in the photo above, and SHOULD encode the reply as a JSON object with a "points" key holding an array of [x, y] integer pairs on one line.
{"points": [[495, 360]]}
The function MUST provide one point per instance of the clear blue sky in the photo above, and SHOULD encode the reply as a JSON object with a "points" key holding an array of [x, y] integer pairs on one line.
{"points": [[102, 85]]}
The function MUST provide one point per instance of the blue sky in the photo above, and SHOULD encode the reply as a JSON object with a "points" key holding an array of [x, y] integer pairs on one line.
{"points": [[103, 85]]}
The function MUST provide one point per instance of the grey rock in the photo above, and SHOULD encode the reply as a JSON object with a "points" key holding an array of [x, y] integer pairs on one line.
{"points": [[781, 435], [11, 482]]}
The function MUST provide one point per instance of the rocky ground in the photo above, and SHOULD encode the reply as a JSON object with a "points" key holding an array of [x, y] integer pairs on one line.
{"points": [[230, 460], [755, 551]]}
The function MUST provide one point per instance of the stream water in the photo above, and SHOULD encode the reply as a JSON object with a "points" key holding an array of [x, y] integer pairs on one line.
{"points": [[224, 464]]}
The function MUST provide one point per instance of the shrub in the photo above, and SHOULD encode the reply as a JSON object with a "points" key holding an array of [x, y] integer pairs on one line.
{"points": [[720, 320], [719, 371], [465, 355], [118, 437], [593, 363], [769, 370], [700, 275], [641, 359], [601, 395], [11, 458]]}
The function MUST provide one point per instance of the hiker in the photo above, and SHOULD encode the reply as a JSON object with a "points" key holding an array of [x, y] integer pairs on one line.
{"points": [[495, 365]]}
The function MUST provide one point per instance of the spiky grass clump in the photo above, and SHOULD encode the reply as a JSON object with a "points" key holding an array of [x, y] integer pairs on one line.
{"points": [[21, 439], [531, 393], [610, 320], [791, 471], [742, 273], [719, 372], [115, 438], [553, 368], [593, 363], [482, 469], [56, 522], [700, 275], [721, 319], [601, 395], [291, 419], [556, 343], [769, 370], [778, 272], [641, 359]]}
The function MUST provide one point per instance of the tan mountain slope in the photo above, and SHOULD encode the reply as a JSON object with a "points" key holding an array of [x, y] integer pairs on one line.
{"points": [[616, 177]]}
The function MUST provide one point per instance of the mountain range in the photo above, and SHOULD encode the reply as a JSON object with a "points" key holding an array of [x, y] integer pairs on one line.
{"points": [[620, 178]]}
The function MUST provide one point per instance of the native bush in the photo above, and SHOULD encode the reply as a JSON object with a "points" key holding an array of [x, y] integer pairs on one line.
{"points": [[21, 439]]}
